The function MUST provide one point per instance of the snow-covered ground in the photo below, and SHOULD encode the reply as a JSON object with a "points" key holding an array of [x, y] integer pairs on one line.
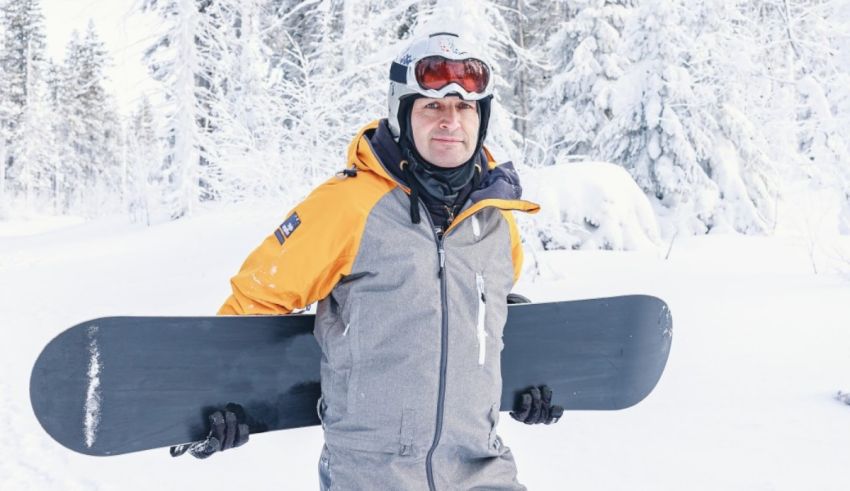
{"points": [[761, 347]]}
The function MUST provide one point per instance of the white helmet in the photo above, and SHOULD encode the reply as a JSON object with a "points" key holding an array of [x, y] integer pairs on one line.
{"points": [[452, 67]]}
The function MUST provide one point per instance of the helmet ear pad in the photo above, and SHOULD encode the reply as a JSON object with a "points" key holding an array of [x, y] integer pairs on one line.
{"points": [[484, 120], [405, 139]]}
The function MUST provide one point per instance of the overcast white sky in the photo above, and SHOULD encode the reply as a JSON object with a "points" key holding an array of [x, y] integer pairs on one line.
{"points": [[125, 31]]}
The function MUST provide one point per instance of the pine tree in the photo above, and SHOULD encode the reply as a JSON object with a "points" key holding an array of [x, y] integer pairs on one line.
{"points": [[530, 23], [62, 171], [586, 60], [176, 61], [290, 23], [67, 130], [803, 85], [738, 161], [334, 81], [143, 164], [93, 132], [248, 131], [21, 67], [658, 132], [33, 147]]}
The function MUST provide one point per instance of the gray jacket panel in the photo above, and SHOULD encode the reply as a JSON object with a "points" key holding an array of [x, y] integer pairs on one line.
{"points": [[380, 331]]}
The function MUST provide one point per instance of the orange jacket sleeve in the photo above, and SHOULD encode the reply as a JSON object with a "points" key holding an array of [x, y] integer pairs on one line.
{"points": [[307, 255], [516, 244]]}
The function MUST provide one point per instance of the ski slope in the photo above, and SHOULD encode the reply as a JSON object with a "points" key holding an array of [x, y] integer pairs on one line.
{"points": [[761, 347]]}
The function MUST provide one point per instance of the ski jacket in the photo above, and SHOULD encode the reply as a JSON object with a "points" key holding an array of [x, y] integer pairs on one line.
{"points": [[409, 323]]}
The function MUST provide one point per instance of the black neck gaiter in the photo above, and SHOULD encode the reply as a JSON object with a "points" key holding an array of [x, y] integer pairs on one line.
{"points": [[443, 184]]}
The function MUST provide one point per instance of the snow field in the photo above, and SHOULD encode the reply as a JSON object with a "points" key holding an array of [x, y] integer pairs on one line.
{"points": [[760, 348]]}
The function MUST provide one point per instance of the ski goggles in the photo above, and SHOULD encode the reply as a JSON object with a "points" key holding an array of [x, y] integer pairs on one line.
{"points": [[437, 72]]}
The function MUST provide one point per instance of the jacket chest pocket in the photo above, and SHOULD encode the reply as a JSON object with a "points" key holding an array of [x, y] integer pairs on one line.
{"points": [[485, 349], [490, 317], [481, 321]]}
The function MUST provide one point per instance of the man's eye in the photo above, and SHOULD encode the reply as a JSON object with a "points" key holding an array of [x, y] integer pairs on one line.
{"points": [[432, 105]]}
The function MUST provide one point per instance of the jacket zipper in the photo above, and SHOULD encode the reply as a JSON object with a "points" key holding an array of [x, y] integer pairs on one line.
{"points": [[441, 397]]}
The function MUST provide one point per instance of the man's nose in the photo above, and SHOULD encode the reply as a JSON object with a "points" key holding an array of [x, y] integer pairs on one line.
{"points": [[450, 118]]}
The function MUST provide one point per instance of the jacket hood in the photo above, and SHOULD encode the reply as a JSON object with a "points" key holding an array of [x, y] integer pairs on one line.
{"points": [[363, 157]]}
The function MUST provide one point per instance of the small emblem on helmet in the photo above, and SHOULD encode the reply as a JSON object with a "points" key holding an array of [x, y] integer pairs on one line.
{"points": [[447, 46], [405, 59]]}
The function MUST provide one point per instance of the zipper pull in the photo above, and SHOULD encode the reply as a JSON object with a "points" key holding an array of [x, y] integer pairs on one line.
{"points": [[479, 282], [442, 253], [481, 328]]}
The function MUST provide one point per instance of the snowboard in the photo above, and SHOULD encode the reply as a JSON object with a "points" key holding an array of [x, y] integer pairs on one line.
{"points": [[116, 385]]}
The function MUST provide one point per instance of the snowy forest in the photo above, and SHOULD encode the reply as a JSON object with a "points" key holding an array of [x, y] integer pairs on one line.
{"points": [[719, 110], [697, 151]]}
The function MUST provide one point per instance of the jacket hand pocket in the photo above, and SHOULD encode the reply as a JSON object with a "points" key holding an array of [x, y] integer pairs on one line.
{"points": [[493, 440]]}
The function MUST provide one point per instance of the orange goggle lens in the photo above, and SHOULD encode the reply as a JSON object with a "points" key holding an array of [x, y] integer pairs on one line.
{"points": [[435, 72]]}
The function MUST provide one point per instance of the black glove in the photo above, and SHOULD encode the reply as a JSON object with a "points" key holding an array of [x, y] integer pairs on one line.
{"points": [[536, 407], [515, 298], [227, 430]]}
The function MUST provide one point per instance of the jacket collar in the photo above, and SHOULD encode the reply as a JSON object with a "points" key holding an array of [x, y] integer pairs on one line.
{"points": [[375, 150]]}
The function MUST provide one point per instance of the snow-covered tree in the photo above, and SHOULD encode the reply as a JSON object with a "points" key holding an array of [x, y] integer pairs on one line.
{"points": [[289, 23], [67, 167], [804, 72], [334, 81], [21, 67], [33, 147], [177, 60], [530, 23], [248, 111], [585, 55], [143, 163], [722, 58], [708, 104], [657, 131], [92, 134]]}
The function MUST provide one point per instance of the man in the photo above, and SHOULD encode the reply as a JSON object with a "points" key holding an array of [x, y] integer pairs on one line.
{"points": [[411, 253]]}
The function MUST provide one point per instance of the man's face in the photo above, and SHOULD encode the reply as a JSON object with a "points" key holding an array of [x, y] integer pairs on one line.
{"points": [[445, 131]]}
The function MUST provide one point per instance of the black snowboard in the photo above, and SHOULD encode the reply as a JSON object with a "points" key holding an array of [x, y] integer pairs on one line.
{"points": [[124, 384]]}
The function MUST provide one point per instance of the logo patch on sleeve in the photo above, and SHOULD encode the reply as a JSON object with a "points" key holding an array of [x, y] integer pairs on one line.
{"points": [[287, 228]]}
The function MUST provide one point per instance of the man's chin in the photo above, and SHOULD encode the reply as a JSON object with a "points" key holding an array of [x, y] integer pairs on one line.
{"points": [[446, 160], [448, 164]]}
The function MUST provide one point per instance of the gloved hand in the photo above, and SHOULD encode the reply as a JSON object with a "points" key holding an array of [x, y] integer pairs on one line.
{"points": [[536, 407], [227, 430]]}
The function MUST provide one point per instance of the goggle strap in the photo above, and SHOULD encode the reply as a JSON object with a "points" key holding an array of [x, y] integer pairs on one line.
{"points": [[398, 73]]}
